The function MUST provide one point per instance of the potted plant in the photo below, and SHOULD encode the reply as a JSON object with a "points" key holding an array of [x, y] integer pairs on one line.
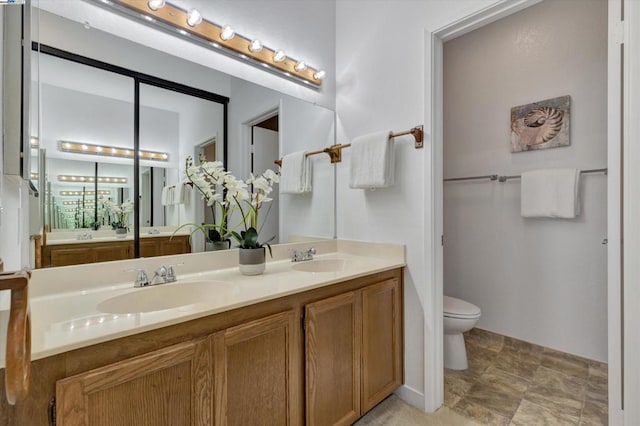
{"points": [[252, 258], [207, 178], [118, 215]]}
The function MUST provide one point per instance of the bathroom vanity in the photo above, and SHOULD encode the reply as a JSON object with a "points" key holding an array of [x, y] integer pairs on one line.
{"points": [[317, 342], [79, 252]]}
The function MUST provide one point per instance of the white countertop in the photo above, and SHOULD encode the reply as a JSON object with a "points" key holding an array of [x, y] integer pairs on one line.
{"points": [[64, 301], [104, 236]]}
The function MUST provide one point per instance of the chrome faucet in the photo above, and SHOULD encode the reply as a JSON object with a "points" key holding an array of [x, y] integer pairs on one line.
{"points": [[162, 275], [302, 255]]}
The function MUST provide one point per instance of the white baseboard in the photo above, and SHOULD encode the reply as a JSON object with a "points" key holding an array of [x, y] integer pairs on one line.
{"points": [[411, 396]]}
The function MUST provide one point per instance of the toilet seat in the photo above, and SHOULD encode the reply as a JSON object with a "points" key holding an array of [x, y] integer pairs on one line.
{"points": [[457, 308]]}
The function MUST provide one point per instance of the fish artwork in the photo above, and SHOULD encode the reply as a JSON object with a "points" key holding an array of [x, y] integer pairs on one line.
{"points": [[541, 125]]}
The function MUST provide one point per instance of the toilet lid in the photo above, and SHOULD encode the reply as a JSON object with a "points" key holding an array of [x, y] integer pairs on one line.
{"points": [[458, 308]]}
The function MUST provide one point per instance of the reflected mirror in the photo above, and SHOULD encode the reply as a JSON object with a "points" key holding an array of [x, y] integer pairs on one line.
{"points": [[92, 111]]}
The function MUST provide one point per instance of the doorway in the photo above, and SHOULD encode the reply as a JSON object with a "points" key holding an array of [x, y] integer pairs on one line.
{"points": [[435, 42], [265, 141]]}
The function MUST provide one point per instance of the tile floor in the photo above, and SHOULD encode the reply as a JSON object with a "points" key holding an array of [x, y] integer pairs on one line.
{"points": [[511, 382]]}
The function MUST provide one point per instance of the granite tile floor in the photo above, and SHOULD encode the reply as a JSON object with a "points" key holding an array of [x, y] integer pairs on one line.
{"points": [[511, 382]]}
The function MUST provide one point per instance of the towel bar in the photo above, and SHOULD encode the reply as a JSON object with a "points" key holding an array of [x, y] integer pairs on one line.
{"points": [[335, 151]]}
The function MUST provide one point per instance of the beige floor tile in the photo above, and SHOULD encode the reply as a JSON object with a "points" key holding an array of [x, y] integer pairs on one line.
{"points": [[480, 413], [484, 339], [395, 412], [595, 414], [557, 392], [530, 414], [566, 363], [520, 363], [497, 391], [479, 359], [522, 346]]}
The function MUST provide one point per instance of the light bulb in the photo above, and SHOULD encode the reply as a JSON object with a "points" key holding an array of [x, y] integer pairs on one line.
{"points": [[319, 75], [300, 66], [155, 4], [279, 56], [85, 147], [194, 17], [255, 45], [227, 33]]}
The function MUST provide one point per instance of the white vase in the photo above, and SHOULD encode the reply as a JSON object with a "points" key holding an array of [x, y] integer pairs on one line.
{"points": [[252, 261]]}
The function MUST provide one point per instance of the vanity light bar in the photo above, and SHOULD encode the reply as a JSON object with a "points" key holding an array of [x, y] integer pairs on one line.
{"points": [[101, 179], [191, 25], [75, 203], [110, 151], [80, 193], [34, 142]]}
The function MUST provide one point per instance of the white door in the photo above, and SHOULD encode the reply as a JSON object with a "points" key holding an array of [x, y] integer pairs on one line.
{"points": [[264, 152]]}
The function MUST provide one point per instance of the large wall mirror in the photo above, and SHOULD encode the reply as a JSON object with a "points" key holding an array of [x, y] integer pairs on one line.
{"points": [[90, 112]]}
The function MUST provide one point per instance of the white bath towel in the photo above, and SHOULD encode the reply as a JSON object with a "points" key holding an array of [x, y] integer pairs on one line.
{"points": [[372, 161], [295, 173], [550, 193]]}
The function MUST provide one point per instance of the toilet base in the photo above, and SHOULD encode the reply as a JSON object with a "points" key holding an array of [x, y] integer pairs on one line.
{"points": [[455, 353]]}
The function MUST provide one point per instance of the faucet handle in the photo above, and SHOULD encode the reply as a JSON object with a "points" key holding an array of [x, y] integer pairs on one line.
{"points": [[171, 274], [142, 280], [311, 250]]}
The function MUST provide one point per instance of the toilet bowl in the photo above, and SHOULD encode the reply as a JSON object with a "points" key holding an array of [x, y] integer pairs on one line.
{"points": [[459, 316]]}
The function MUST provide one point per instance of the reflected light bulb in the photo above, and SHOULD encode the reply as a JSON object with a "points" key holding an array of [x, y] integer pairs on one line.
{"points": [[279, 56], [300, 66], [255, 45], [155, 4], [319, 75], [194, 17], [227, 33]]}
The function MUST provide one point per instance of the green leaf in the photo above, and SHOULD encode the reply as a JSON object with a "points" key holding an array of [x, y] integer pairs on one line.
{"points": [[251, 238]]}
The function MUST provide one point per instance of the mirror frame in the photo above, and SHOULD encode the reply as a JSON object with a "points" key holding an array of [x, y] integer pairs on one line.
{"points": [[138, 79]]}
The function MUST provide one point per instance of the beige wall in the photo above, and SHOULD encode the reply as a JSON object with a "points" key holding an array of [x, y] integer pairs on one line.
{"points": [[540, 280]]}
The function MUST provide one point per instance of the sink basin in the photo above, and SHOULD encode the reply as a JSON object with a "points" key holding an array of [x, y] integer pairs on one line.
{"points": [[321, 265], [160, 297]]}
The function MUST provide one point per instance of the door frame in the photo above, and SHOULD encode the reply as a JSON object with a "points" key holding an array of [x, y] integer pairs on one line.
{"points": [[434, 365]]}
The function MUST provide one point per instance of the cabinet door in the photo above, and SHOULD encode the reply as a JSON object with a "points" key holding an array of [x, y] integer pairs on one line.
{"points": [[332, 344], [258, 372], [169, 387], [150, 247], [176, 245], [113, 251], [381, 342], [71, 256]]}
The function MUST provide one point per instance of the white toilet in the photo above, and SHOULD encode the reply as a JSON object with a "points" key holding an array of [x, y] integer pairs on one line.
{"points": [[459, 316]]}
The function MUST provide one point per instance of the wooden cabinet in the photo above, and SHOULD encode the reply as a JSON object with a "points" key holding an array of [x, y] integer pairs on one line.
{"points": [[353, 346], [92, 252], [320, 357], [169, 387], [381, 342], [332, 346], [257, 372]]}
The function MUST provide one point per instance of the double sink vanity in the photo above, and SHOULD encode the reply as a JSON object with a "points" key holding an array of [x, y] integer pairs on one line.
{"points": [[315, 342]]}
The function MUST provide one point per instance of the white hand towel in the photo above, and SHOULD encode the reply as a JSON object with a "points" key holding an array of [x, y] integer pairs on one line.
{"points": [[550, 193], [180, 195], [296, 173], [165, 196], [372, 161]]}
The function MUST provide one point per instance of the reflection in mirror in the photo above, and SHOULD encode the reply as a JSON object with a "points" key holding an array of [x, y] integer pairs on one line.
{"points": [[85, 98], [181, 125]]}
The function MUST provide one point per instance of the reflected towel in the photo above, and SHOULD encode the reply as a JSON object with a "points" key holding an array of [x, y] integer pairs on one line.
{"points": [[164, 198], [372, 161], [181, 193], [550, 193], [296, 173]]}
